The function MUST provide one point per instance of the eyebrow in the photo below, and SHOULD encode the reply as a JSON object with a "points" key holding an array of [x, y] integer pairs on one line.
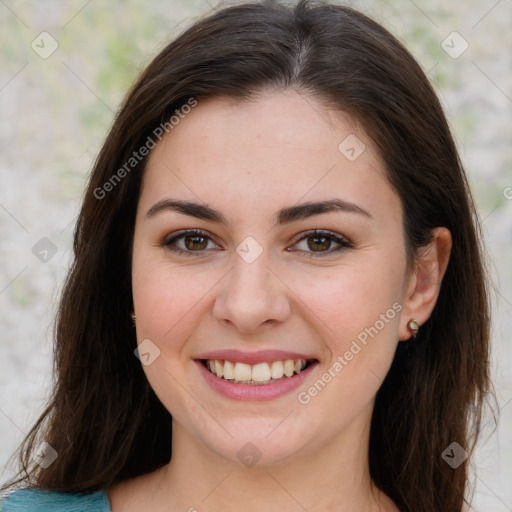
{"points": [[283, 216]]}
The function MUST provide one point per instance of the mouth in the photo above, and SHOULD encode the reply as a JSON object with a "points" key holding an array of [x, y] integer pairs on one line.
{"points": [[262, 373]]}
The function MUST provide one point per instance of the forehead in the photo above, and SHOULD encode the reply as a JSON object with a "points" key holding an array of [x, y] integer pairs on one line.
{"points": [[275, 145]]}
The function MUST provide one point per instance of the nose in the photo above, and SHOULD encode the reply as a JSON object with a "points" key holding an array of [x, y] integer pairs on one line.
{"points": [[252, 297]]}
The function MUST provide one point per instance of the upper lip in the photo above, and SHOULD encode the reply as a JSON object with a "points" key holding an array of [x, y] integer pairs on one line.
{"points": [[262, 356]]}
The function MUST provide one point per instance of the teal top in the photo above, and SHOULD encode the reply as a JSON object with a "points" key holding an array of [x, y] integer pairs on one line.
{"points": [[39, 500]]}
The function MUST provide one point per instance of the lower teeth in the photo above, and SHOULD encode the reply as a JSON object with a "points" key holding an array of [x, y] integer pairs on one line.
{"points": [[254, 382]]}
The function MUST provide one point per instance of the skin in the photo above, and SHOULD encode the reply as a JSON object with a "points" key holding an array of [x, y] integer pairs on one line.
{"points": [[248, 160]]}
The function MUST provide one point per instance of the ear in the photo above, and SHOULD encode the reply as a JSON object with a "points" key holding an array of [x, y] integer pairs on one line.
{"points": [[424, 281]]}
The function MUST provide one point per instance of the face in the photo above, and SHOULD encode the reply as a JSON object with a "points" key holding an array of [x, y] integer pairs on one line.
{"points": [[294, 252]]}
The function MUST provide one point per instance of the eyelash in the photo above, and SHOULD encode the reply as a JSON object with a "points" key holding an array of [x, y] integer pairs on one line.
{"points": [[343, 242]]}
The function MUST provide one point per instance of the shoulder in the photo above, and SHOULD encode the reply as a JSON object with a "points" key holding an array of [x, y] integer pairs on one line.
{"points": [[40, 500]]}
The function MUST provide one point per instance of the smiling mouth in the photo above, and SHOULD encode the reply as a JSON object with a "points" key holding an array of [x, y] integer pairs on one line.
{"points": [[256, 374]]}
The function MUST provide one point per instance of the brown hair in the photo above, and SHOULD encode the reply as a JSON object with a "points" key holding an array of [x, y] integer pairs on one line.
{"points": [[104, 420]]}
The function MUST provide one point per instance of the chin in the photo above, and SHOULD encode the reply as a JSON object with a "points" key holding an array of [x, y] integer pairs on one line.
{"points": [[260, 442]]}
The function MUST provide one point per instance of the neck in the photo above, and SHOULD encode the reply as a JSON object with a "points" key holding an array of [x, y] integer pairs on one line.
{"points": [[318, 479]]}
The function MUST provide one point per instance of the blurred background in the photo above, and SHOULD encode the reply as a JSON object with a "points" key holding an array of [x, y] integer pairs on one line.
{"points": [[65, 66]]}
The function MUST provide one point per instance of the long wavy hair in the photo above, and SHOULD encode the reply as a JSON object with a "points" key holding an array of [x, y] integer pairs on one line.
{"points": [[104, 420]]}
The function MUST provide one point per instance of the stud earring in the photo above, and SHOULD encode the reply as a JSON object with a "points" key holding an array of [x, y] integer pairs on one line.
{"points": [[132, 316], [413, 326]]}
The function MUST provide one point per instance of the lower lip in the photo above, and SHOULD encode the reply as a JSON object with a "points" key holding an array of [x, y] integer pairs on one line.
{"points": [[254, 392]]}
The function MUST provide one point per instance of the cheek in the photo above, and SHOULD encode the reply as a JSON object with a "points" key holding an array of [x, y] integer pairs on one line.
{"points": [[357, 313], [357, 303], [168, 304], [168, 301]]}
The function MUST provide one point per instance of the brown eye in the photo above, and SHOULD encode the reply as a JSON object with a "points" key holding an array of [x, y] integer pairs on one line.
{"points": [[320, 243], [195, 242], [316, 243], [188, 242]]}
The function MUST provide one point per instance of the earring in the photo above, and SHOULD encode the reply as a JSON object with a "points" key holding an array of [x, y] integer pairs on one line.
{"points": [[132, 316], [413, 326]]}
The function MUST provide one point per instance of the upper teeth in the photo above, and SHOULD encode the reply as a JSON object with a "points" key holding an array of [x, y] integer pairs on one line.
{"points": [[260, 372]]}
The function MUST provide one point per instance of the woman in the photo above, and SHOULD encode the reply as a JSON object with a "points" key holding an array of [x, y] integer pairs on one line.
{"points": [[270, 283]]}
